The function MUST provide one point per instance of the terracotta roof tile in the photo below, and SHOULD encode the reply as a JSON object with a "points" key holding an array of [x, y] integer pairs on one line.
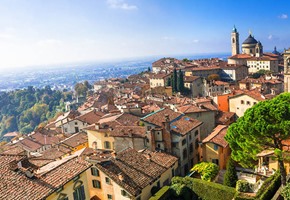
{"points": [[184, 125], [159, 116], [129, 131], [138, 169], [16, 185], [76, 139], [217, 136]]}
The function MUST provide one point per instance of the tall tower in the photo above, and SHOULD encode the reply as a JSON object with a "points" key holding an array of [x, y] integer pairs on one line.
{"points": [[235, 42], [259, 49], [286, 56]]}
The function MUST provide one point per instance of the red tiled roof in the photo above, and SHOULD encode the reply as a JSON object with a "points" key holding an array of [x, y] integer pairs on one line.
{"points": [[224, 117], [190, 78], [217, 136], [76, 139], [91, 117], [159, 116], [241, 56], [136, 170], [16, 185], [184, 125], [129, 131]]}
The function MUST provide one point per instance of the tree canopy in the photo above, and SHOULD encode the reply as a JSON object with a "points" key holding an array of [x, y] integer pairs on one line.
{"points": [[263, 127], [22, 110]]}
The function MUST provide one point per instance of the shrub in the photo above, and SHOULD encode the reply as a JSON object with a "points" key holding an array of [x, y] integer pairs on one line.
{"points": [[204, 189], [286, 192], [208, 171], [209, 190], [269, 187], [163, 194], [244, 186], [230, 177]]}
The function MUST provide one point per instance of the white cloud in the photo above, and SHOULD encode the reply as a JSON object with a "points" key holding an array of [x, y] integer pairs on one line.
{"points": [[120, 4], [6, 36], [283, 16], [270, 37], [195, 41]]}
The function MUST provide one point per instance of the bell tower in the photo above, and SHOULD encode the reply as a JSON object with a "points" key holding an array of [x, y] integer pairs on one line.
{"points": [[235, 42], [286, 56]]}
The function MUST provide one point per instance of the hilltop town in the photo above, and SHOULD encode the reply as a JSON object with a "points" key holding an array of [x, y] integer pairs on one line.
{"points": [[131, 136]]}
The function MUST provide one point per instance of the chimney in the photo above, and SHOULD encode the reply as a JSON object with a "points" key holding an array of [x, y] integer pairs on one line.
{"points": [[114, 154], [97, 126], [121, 177], [166, 135], [130, 131], [153, 143], [148, 156]]}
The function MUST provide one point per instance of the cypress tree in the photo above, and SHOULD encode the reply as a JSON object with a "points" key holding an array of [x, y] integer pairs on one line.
{"points": [[180, 82], [174, 81], [230, 177]]}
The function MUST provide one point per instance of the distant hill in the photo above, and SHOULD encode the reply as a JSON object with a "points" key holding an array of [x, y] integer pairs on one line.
{"points": [[23, 110]]}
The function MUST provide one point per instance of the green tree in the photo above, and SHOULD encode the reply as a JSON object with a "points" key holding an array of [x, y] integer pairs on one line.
{"points": [[180, 82], [230, 177], [169, 81], [149, 69], [214, 77], [263, 127], [174, 81], [286, 192]]}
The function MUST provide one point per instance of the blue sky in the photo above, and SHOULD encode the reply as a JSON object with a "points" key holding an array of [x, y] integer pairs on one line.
{"points": [[44, 32]]}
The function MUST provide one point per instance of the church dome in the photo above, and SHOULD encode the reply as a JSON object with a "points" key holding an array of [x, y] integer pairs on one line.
{"points": [[250, 40]]}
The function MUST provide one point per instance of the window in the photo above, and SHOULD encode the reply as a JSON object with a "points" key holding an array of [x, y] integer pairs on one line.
{"points": [[196, 133], [216, 161], [158, 184], [191, 148], [76, 123], [76, 129], [184, 154], [124, 193], [109, 196], [215, 147], [107, 145], [255, 103], [183, 142], [138, 198], [242, 102], [148, 128], [79, 193], [172, 172], [189, 136], [248, 103], [196, 143], [95, 171], [65, 130], [96, 184], [108, 180]]}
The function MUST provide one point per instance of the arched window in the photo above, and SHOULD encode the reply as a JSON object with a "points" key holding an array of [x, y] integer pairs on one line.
{"points": [[233, 40]]}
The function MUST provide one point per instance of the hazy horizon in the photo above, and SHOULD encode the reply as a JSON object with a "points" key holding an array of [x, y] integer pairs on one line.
{"points": [[38, 32]]}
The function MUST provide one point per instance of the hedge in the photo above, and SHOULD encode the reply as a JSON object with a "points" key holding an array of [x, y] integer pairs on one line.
{"points": [[206, 190], [269, 187], [163, 194]]}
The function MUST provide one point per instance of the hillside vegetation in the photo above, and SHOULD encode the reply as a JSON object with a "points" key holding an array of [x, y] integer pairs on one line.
{"points": [[23, 110]]}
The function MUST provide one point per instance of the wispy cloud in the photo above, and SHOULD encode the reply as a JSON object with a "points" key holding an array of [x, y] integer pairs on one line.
{"points": [[120, 4], [272, 37], [283, 16], [195, 41]]}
